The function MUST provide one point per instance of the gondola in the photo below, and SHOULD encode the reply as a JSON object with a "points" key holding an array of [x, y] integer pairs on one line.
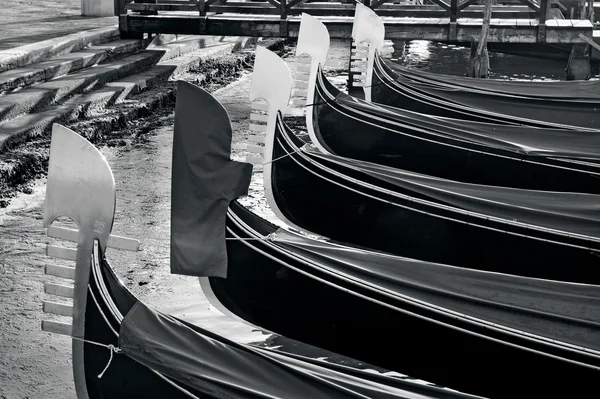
{"points": [[480, 106], [384, 85], [122, 348], [472, 152], [585, 91], [523, 232], [331, 295]]}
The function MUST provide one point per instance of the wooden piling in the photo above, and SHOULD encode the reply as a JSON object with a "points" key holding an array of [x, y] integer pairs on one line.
{"points": [[479, 62]]}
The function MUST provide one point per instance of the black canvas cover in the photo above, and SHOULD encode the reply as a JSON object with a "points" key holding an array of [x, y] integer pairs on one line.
{"points": [[556, 143], [578, 90], [204, 181], [224, 369], [554, 310], [565, 212], [566, 113], [447, 100]]}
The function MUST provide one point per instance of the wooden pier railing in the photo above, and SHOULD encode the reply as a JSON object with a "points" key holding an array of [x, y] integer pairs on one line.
{"points": [[529, 21]]}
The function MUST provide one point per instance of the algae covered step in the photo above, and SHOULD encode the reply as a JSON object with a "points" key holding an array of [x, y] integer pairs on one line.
{"points": [[67, 63], [37, 97]]}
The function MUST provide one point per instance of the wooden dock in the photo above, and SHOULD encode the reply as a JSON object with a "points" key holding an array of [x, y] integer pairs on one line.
{"points": [[454, 21]]}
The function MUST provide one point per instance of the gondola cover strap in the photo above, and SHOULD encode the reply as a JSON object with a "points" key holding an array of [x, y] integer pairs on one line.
{"points": [[204, 181]]}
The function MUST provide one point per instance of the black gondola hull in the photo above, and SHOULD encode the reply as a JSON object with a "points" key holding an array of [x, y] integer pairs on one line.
{"points": [[480, 107], [124, 377], [422, 146], [335, 201], [279, 293]]}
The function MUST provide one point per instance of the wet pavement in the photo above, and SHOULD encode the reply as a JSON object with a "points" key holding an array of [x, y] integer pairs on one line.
{"points": [[24, 22], [36, 364]]}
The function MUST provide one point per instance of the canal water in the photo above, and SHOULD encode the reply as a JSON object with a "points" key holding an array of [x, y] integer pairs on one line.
{"points": [[35, 364]]}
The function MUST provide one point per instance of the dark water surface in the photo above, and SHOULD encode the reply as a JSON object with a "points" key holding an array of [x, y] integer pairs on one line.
{"points": [[453, 60], [142, 173]]}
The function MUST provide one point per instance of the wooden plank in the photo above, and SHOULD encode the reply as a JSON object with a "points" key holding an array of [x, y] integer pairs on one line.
{"points": [[60, 271], [64, 291], [470, 21], [581, 23], [531, 4], [61, 309], [508, 22], [589, 41], [562, 35], [433, 21], [466, 3], [523, 22], [559, 23], [56, 327], [442, 4], [137, 7]]}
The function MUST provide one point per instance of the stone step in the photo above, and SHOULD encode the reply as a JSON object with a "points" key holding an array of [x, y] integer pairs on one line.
{"points": [[177, 46], [41, 51], [68, 63], [37, 97], [81, 105]]}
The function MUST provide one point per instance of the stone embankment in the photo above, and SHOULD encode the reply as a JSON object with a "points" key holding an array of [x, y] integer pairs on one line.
{"points": [[102, 87]]}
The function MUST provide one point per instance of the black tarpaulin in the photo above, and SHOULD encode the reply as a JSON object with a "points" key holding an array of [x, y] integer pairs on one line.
{"points": [[204, 181], [565, 212], [551, 309], [557, 143], [567, 113], [580, 90], [225, 369]]}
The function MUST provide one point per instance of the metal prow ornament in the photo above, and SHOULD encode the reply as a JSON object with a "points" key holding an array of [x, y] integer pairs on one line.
{"points": [[368, 29], [271, 82], [313, 40], [81, 187]]}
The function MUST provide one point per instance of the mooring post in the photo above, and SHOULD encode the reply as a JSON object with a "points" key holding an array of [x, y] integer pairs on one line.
{"points": [[283, 23], [124, 32], [578, 67], [581, 7], [452, 32], [544, 13], [202, 16], [479, 61]]}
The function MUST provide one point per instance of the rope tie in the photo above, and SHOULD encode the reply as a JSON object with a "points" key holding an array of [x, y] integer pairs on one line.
{"points": [[113, 349]]}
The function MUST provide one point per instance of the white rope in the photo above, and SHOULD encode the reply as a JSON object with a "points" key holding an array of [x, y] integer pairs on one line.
{"points": [[281, 157], [265, 238], [113, 349]]}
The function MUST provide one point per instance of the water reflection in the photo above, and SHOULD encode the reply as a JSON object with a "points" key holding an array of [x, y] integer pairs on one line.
{"points": [[453, 60]]}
